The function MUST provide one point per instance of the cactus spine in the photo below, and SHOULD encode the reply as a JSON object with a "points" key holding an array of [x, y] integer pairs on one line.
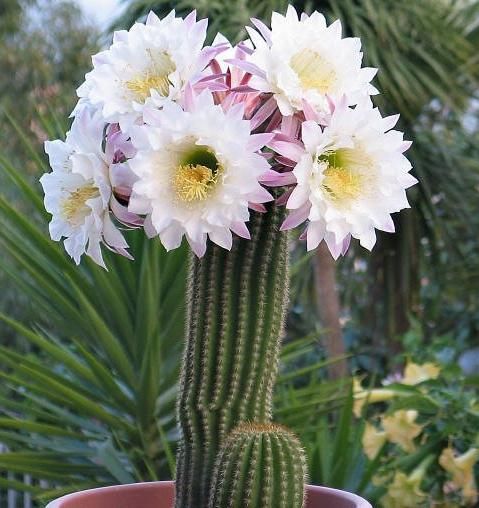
{"points": [[236, 306], [259, 466]]}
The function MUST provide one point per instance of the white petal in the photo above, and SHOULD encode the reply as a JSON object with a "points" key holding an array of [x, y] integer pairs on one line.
{"points": [[198, 247], [171, 237], [368, 239], [298, 198], [112, 235], [222, 237], [315, 234]]}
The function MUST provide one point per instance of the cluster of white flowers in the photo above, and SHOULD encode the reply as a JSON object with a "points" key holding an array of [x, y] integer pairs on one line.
{"points": [[183, 139]]}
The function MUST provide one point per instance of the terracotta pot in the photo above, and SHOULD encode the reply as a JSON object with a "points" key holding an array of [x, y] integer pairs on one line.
{"points": [[161, 495]]}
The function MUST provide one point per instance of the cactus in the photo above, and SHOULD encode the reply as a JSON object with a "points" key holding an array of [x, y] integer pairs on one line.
{"points": [[259, 466], [236, 306]]}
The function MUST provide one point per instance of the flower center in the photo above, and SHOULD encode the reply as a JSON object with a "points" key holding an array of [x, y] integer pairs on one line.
{"points": [[156, 78], [74, 208], [341, 184], [196, 176], [345, 175], [314, 72], [193, 183]]}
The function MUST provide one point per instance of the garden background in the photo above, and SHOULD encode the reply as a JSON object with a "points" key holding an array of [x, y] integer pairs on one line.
{"points": [[89, 359]]}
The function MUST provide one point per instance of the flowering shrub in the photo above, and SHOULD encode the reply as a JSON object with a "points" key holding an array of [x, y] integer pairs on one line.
{"points": [[423, 437], [183, 140]]}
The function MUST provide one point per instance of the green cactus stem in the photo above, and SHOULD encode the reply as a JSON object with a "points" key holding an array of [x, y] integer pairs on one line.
{"points": [[259, 466], [236, 306]]}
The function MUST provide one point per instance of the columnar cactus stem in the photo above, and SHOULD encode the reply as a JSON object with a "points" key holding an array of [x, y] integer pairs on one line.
{"points": [[259, 466], [236, 306]]}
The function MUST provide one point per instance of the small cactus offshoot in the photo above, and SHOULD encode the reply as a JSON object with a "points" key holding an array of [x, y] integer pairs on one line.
{"points": [[260, 465]]}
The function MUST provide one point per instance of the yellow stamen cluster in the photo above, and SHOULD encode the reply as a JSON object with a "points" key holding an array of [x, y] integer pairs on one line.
{"points": [[314, 72], [347, 174], [194, 182], [156, 78], [74, 207], [342, 184]]}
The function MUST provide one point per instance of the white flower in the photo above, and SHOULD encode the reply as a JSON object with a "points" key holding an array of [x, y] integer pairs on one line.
{"points": [[198, 171], [78, 191], [350, 178], [304, 60], [155, 59]]}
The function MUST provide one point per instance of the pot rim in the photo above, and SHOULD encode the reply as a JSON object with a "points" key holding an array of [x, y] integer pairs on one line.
{"points": [[57, 503]]}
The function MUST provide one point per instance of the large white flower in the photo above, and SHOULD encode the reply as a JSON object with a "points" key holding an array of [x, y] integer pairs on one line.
{"points": [[350, 178], [78, 191], [198, 171], [155, 59], [304, 60]]}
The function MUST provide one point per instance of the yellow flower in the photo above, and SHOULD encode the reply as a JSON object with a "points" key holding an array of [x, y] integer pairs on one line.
{"points": [[401, 428], [405, 491], [373, 440], [362, 396], [462, 470], [415, 374]]}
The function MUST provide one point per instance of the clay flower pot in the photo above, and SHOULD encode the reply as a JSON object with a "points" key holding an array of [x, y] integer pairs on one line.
{"points": [[161, 495]]}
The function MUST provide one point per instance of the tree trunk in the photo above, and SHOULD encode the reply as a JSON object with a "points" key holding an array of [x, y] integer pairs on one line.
{"points": [[327, 300]]}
